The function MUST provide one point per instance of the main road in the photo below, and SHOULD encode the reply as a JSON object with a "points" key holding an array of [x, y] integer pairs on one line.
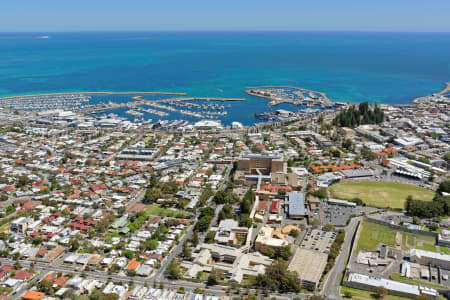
{"points": [[333, 280], [44, 268]]}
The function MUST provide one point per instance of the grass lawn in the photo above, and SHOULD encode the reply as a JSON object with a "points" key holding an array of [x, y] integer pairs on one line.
{"points": [[366, 295], [398, 277], [5, 227], [428, 247], [444, 250], [380, 194], [157, 210], [373, 234]]}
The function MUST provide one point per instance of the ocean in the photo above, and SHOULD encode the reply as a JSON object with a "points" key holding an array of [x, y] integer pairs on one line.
{"points": [[391, 68]]}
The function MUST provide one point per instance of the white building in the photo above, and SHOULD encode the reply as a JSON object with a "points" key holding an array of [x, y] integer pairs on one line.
{"points": [[395, 288]]}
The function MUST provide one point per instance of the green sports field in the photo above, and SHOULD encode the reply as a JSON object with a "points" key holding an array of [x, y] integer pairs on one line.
{"points": [[373, 234], [379, 193]]}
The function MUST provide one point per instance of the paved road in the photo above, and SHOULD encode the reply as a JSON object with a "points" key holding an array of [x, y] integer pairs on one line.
{"points": [[176, 251], [44, 268], [139, 196], [333, 280]]}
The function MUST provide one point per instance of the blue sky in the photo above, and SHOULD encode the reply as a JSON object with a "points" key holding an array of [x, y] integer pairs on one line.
{"points": [[154, 15]]}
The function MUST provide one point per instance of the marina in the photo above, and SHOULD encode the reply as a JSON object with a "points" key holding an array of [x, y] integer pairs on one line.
{"points": [[199, 115], [293, 95], [181, 99], [282, 115], [45, 102], [204, 111], [140, 110], [72, 101]]}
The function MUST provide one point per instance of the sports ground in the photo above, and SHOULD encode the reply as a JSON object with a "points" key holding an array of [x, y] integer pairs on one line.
{"points": [[379, 193]]}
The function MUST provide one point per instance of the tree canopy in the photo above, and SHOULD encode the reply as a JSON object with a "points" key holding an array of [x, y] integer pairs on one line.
{"points": [[278, 278], [353, 117]]}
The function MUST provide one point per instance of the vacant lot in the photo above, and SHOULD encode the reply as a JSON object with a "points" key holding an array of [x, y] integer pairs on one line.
{"points": [[157, 210], [380, 194], [373, 234]]}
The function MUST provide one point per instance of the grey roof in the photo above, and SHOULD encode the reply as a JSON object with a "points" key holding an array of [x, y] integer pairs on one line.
{"points": [[297, 204]]}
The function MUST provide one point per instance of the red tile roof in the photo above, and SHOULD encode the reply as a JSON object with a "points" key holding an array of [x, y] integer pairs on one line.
{"points": [[33, 295]]}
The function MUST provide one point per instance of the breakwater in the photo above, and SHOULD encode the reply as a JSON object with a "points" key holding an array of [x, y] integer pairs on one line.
{"points": [[441, 93]]}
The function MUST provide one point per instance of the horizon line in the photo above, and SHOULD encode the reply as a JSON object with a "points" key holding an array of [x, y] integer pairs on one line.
{"points": [[218, 30]]}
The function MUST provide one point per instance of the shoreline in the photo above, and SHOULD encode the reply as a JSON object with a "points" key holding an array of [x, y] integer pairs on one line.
{"points": [[95, 93], [445, 90]]}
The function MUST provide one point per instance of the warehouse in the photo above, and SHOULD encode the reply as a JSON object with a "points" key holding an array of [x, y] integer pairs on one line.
{"points": [[296, 206]]}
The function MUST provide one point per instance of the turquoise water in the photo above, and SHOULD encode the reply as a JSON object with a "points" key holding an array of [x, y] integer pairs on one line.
{"points": [[377, 67]]}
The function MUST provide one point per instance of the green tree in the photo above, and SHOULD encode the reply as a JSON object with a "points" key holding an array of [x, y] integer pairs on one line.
{"points": [[152, 195], [294, 233], [173, 270], [74, 244], [245, 221], [203, 223], [213, 277], [195, 240], [444, 187], [187, 254], [151, 244], [281, 192], [277, 277], [381, 292]]}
